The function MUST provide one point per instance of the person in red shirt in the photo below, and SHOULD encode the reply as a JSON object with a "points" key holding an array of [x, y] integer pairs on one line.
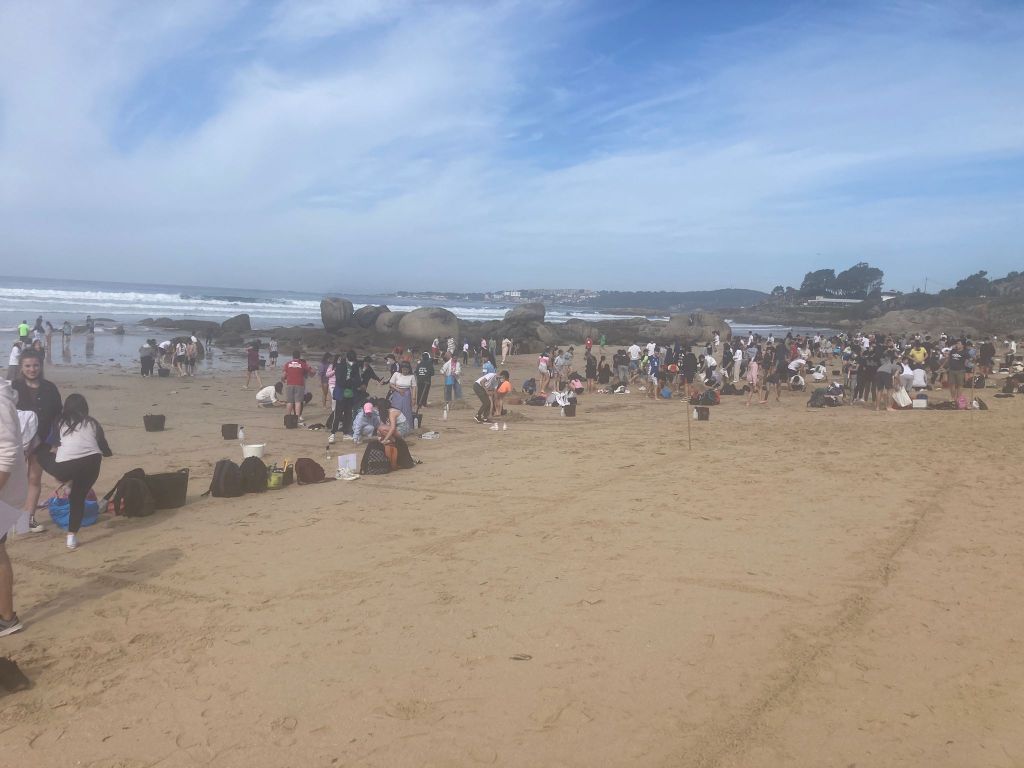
{"points": [[295, 372]]}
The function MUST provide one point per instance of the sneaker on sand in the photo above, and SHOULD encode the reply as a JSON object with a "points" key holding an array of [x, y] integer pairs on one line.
{"points": [[34, 527], [10, 627], [331, 438], [72, 541], [477, 419], [345, 474]]}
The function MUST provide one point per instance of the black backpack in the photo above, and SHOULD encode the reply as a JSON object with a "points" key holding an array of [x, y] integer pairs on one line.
{"points": [[131, 496], [405, 459], [291, 421], [253, 473], [819, 398], [375, 460], [227, 480]]}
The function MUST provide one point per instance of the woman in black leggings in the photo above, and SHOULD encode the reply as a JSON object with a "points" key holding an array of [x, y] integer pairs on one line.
{"points": [[80, 452]]}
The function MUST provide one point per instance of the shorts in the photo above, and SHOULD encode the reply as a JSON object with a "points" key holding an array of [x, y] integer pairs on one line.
{"points": [[273, 355], [293, 393], [253, 368], [883, 380], [956, 378], [179, 359]]}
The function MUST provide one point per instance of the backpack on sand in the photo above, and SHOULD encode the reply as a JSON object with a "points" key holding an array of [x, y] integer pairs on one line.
{"points": [[818, 398], [375, 460], [131, 496], [253, 473], [291, 421], [308, 471], [227, 480]]}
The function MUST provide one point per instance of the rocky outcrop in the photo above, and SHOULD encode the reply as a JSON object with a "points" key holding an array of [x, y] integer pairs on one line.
{"points": [[335, 313], [927, 322], [428, 323], [696, 326], [197, 327], [366, 317], [532, 312], [387, 323], [237, 324]]}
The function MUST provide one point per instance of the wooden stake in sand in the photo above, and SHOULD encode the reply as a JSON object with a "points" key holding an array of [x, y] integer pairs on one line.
{"points": [[689, 418]]}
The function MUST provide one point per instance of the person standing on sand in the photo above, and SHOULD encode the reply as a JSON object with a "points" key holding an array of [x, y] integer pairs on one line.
{"points": [[402, 389], [452, 372], [424, 373], [506, 348], [590, 369], [252, 353], [753, 380], [80, 450], [347, 383], [324, 371], [956, 367], [13, 490], [37, 394], [272, 352], [294, 374]]}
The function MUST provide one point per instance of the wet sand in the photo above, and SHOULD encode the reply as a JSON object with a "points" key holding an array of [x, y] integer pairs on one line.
{"points": [[826, 587]]}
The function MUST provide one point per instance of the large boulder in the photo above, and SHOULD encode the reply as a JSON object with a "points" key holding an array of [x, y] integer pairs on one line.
{"points": [[335, 313], [365, 317], [237, 324], [387, 322], [532, 312], [428, 323], [696, 327]]}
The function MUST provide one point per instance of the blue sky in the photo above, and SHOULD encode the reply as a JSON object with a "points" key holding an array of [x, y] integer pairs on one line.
{"points": [[377, 144]]}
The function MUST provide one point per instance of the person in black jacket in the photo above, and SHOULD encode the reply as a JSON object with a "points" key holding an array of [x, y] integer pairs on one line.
{"points": [[40, 395], [424, 373], [347, 383]]}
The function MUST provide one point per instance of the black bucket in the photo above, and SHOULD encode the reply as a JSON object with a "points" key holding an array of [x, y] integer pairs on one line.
{"points": [[154, 422], [569, 410], [229, 431], [291, 421], [703, 413], [164, 373], [169, 489]]}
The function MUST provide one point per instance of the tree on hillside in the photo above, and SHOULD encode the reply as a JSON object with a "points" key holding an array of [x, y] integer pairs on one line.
{"points": [[859, 281], [819, 281], [778, 290], [975, 285]]}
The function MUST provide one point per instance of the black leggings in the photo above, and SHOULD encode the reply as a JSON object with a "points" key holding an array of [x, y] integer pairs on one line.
{"points": [[422, 389], [343, 414], [147, 365], [81, 473]]}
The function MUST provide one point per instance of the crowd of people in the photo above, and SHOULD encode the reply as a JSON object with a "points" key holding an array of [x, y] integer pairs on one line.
{"points": [[41, 432]]}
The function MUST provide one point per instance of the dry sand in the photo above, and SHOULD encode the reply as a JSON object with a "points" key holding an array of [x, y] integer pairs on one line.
{"points": [[829, 587]]}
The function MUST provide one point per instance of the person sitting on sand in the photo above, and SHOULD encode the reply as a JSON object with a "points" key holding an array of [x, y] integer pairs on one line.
{"points": [[366, 423]]}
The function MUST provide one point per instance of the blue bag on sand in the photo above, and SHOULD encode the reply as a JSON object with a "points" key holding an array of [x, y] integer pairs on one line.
{"points": [[60, 509]]}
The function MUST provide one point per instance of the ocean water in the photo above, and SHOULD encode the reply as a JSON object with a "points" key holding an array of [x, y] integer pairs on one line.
{"points": [[128, 304]]}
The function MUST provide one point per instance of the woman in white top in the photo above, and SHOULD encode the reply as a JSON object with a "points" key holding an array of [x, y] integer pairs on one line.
{"points": [[402, 389], [80, 452]]}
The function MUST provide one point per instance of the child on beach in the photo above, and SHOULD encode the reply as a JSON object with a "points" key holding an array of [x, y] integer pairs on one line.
{"points": [[80, 451]]}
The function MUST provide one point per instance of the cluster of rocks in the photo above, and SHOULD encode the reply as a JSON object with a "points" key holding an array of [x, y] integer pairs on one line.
{"points": [[524, 323], [228, 333]]}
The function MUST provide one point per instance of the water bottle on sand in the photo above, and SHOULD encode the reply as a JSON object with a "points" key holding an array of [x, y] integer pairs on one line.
{"points": [[241, 434]]}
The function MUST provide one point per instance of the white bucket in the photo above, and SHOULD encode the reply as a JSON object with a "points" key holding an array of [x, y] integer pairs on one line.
{"points": [[253, 450]]}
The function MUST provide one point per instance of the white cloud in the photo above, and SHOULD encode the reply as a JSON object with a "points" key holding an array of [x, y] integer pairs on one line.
{"points": [[402, 147]]}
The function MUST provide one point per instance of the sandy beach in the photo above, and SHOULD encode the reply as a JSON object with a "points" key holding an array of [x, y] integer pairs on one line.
{"points": [[805, 587]]}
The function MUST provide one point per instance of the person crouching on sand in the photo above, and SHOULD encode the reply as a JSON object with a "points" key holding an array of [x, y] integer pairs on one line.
{"points": [[80, 452]]}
